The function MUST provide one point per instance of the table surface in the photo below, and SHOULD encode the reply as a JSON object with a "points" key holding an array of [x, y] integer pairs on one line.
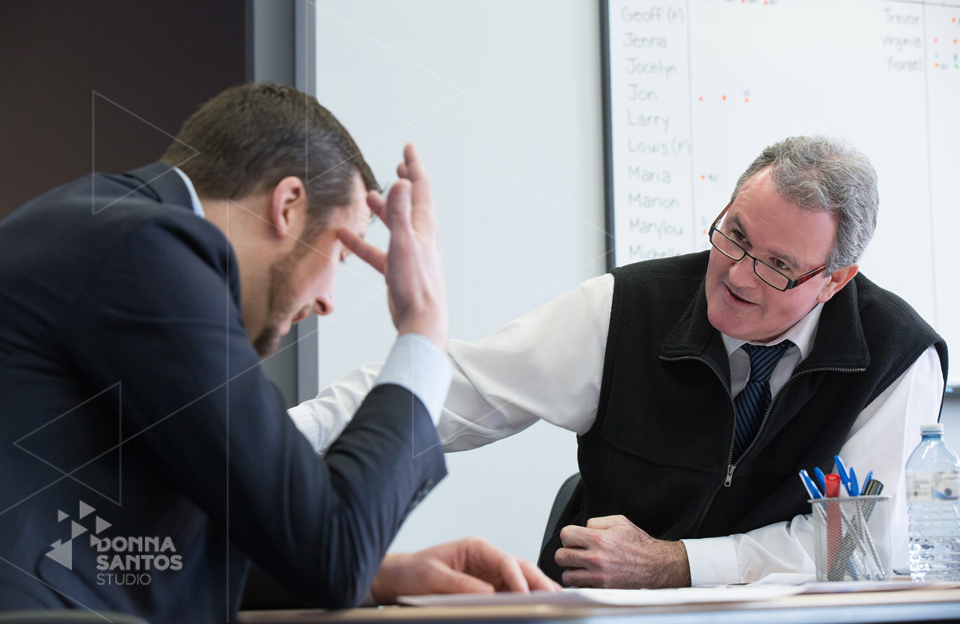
{"points": [[895, 606]]}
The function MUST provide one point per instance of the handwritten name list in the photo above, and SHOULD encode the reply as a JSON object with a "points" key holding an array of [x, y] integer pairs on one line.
{"points": [[650, 119]]}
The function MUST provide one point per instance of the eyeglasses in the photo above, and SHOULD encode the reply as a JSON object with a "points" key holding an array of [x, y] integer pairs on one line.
{"points": [[770, 276]]}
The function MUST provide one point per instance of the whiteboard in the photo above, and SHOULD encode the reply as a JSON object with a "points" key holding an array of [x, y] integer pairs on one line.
{"points": [[519, 205], [695, 89]]}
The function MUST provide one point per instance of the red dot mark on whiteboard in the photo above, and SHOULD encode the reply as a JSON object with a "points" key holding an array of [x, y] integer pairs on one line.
{"points": [[724, 98], [701, 98], [703, 177], [746, 99]]}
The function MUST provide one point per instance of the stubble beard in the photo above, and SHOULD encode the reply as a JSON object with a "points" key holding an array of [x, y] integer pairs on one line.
{"points": [[280, 304]]}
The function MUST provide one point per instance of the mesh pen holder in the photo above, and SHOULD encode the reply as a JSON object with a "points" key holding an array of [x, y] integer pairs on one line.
{"points": [[852, 538]]}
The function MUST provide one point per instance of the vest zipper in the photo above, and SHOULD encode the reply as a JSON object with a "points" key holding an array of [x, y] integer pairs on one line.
{"points": [[774, 399], [731, 467], [729, 480]]}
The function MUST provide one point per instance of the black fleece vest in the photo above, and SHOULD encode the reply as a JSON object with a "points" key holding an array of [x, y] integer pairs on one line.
{"points": [[661, 449]]}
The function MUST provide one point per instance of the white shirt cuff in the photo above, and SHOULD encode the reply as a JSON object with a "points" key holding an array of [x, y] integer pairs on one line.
{"points": [[417, 364], [308, 426], [713, 561]]}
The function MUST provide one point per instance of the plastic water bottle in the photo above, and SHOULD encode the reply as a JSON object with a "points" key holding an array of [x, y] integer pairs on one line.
{"points": [[933, 502]]}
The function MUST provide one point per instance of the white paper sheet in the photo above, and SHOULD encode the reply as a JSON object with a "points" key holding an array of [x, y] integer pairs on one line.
{"points": [[785, 578], [610, 597], [849, 587], [811, 586]]}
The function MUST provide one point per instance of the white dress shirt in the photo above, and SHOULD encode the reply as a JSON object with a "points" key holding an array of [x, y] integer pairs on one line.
{"points": [[414, 363], [194, 199], [548, 365]]}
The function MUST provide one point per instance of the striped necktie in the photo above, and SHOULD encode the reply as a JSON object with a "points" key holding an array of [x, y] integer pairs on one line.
{"points": [[754, 399]]}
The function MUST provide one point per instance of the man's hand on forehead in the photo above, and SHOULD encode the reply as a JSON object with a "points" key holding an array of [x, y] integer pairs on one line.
{"points": [[412, 264]]}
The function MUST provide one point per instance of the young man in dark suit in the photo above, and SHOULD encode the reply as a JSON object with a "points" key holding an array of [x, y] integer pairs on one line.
{"points": [[145, 458]]}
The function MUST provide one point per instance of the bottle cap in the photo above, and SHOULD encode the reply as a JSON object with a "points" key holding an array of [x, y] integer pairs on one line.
{"points": [[935, 428]]}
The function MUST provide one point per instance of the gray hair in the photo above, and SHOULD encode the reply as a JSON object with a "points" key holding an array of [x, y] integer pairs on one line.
{"points": [[820, 173]]}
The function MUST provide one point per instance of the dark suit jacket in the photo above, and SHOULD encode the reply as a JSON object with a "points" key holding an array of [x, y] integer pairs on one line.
{"points": [[128, 386]]}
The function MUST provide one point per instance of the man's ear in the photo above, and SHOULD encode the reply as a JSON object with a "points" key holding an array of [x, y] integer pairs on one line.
{"points": [[837, 280], [287, 211]]}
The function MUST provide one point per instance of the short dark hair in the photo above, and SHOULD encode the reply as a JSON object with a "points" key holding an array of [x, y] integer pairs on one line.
{"points": [[252, 136]]}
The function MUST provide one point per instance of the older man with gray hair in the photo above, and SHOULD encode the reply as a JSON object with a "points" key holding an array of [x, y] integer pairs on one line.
{"points": [[700, 385]]}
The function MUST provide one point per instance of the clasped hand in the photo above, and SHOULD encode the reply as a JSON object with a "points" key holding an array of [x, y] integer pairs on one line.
{"points": [[612, 552]]}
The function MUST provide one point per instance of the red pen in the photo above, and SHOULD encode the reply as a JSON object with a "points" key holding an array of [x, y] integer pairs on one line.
{"points": [[832, 485], [834, 528]]}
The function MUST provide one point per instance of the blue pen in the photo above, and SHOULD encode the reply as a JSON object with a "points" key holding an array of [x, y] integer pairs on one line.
{"points": [[821, 478], [869, 478], [854, 489], [842, 471], [809, 485]]}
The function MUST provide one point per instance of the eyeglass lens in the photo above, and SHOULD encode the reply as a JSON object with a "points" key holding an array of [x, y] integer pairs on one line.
{"points": [[732, 250]]}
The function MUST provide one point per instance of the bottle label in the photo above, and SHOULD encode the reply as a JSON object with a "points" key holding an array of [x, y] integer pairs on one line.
{"points": [[932, 486]]}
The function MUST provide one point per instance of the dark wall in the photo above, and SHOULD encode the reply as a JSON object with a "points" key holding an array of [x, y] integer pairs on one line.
{"points": [[106, 82]]}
